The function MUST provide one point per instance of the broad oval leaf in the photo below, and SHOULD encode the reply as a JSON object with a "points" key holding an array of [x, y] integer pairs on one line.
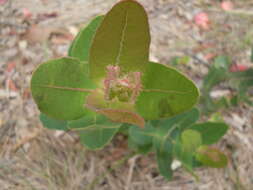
{"points": [[81, 44], [122, 39], [185, 147], [211, 157], [191, 140], [166, 92], [53, 123], [59, 88], [211, 132], [95, 130]]}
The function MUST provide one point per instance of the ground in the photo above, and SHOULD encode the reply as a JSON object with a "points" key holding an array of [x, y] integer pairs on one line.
{"points": [[32, 157]]}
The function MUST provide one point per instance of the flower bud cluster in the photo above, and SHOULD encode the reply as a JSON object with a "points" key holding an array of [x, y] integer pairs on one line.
{"points": [[125, 88]]}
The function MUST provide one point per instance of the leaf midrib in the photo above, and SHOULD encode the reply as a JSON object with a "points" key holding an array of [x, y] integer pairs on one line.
{"points": [[122, 38]]}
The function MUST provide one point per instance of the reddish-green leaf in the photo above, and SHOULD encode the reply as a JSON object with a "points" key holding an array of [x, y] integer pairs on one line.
{"points": [[122, 39], [115, 110], [123, 116], [211, 157]]}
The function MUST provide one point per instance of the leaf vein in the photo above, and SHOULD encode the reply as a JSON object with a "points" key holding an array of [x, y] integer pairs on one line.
{"points": [[122, 40]]}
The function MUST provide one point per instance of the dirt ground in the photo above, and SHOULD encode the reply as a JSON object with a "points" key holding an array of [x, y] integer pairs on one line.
{"points": [[32, 157]]}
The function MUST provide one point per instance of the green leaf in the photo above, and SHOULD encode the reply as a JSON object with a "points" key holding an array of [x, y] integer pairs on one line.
{"points": [[122, 39], [166, 93], [53, 123], [124, 129], [191, 140], [182, 121], [162, 142], [141, 149], [141, 139], [222, 62], [251, 57], [95, 130], [59, 88], [141, 136], [179, 60], [211, 132], [163, 149], [217, 73], [81, 44], [242, 82], [186, 147], [164, 161], [211, 157], [185, 157]]}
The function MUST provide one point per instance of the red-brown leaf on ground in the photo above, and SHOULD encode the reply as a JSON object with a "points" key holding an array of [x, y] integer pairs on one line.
{"points": [[227, 5], [11, 85], [210, 56], [238, 68], [2, 2], [10, 66], [203, 46], [202, 20], [62, 38], [38, 34], [26, 94], [45, 16], [26, 13]]}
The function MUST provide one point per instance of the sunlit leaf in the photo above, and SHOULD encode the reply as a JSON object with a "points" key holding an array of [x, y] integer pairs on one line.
{"points": [[81, 45], [59, 88], [191, 140], [186, 146], [122, 39], [166, 93]]}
